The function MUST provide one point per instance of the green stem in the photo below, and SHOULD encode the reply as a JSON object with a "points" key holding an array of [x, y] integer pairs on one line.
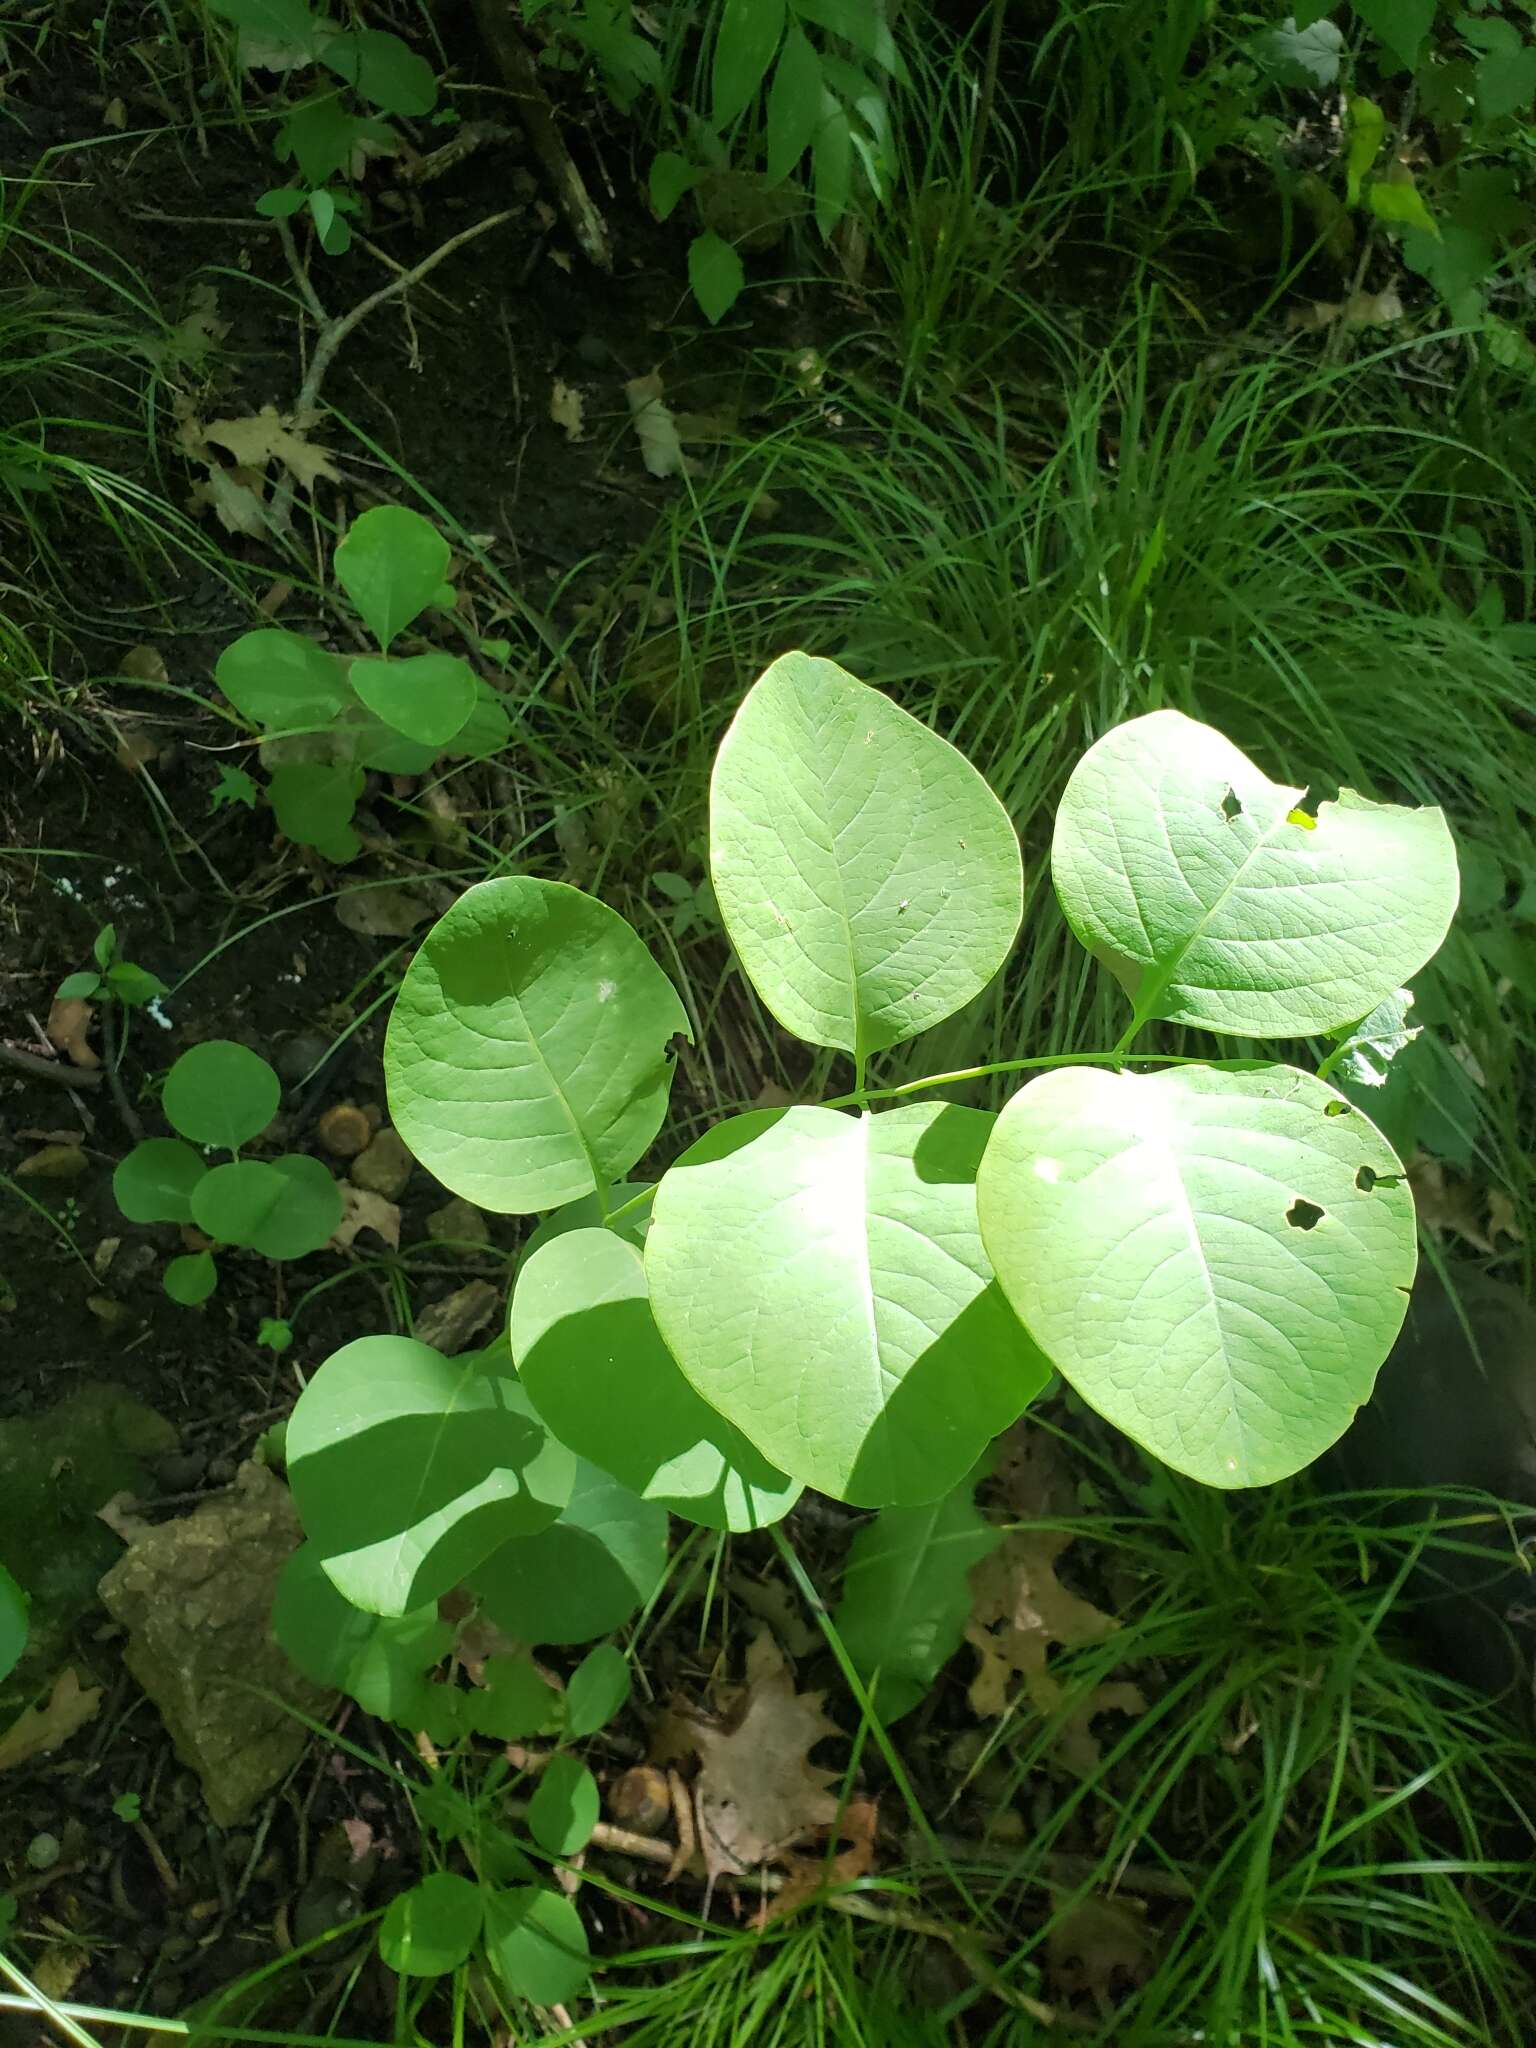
{"points": [[634, 1202], [1038, 1060]]}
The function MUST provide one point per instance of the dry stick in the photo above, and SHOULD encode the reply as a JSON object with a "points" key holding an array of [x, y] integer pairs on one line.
{"points": [[498, 29], [38, 1069], [336, 330]]}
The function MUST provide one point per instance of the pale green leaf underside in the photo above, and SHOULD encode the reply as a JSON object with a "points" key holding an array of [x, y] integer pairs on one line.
{"points": [[409, 1469], [1178, 866], [591, 1360], [820, 1280], [868, 878], [1217, 1259], [527, 1054]]}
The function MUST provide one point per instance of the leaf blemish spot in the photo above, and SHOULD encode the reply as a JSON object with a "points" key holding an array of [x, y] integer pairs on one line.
{"points": [[606, 991], [1230, 806], [1304, 1215]]}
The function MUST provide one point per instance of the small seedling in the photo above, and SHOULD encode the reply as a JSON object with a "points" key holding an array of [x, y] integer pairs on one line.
{"points": [[327, 720], [693, 903], [127, 1807], [274, 1335], [113, 979], [220, 1096]]}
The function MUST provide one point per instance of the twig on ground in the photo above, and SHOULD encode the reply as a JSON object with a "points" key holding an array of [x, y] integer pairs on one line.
{"points": [[36, 1068]]}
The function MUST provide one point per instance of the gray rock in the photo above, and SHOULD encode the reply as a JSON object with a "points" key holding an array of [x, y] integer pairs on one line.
{"points": [[195, 1596], [384, 1167]]}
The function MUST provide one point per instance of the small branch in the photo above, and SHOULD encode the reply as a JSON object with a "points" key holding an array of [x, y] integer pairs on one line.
{"points": [[516, 63], [125, 1108], [38, 1069]]}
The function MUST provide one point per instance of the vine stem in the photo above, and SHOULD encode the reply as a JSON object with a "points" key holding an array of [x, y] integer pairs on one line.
{"points": [[1037, 1060]]}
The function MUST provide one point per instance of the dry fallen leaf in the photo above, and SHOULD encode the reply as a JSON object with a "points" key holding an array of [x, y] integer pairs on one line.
{"points": [[69, 1024], [660, 448], [1447, 1204], [568, 409], [362, 1209], [262, 437], [143, 664], [41, 1729], [809, 1875], [1099, 1947], [388, 910], [758, 1793]]}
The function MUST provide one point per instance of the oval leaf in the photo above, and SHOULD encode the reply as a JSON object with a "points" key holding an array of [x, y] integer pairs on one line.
{"points": [[716, 274], [191, 1278], [745, 41], [409, 1468], [433, 1927], [537, 1944], [1214, 901], [527, 1053], [391, 565], [282, 681], [1217, 1259], [794, 104], [596, 1690], [563, 1810], [592, 1362], [820, 1279], [582, 1577], [313, 802], [384, 70], [13, 1623], [220, 1093], [428, 697], [868, 878], [154, 1183]]}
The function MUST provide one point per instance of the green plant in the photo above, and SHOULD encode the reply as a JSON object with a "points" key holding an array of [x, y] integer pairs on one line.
{"points": [[114, 979], [322, 134], [787, 110], [1217, 1256], [13, 1623], [127, 1807], [220, 1095], [327, 719]]}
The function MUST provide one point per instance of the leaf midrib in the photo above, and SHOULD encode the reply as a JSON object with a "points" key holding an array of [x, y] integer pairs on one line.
{"points": [[530, 1039]]}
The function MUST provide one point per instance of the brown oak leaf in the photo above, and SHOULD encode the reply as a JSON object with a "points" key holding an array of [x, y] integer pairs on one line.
{"points": [[41, 1729], [758, 1793]]}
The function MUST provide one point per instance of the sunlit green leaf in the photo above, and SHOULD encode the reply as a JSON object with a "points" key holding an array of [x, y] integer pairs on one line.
{"points": [[433, 1927]]}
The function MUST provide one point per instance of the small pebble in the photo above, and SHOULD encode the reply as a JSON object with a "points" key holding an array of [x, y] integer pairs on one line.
{"points": [[384, 1168], [459, 1223], [300, 1055], [43, 1851], [641, 1800], [345, 1131]]}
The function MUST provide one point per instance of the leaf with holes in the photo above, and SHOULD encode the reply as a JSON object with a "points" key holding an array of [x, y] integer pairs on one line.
{"points": [[409, 1469], [528, 1054], [820, 1279], [1367, 1049], [1215, 901], [868, 878], [1217, 1259], [593, 1363], [906, 1595]]}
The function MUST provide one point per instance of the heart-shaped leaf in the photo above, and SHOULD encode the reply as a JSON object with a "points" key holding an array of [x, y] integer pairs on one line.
{"points": [[221, 1093], [409, 1469], [820, 1279], [380, 1661], [391, 564], [283, 1209], [1217, 1259], [596, 1690], [431, 1929], [586, 1574], [537, 1944], [428, 697], [868, 878], [154, 1183], [592, 1362], [282, 681], [1215, 901], [527, 1053]]}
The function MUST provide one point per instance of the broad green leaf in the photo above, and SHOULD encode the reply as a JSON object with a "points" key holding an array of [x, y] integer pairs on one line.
{"points": [[1506, 82], [1399, 26], [596, 1690], [564, 1808], [191, 1278], [154, 1183], [527, 1055], [383, 70], [906, 1597], [537, 1944], [313, 802], [1217, 1259], [428, 697], [381, 1662], [78, 988], [514, 1703], [831, 165], [409, 1469], [134, 985], [867, 877], [593, 1364], [1305, 59], [583, 1576], [1397, 199], [487, 729], [220, 1093], [104, 947], [794, 104], [716, 275], [1369, 1047], [746, 36], [278, 21], [1215, 901], [431, 1929], [820, 1279], [282, 681], [1367, 127], [391, 565], [857, 21], [13, 1623], [283, 1208], [281, 202], [671, 178]]}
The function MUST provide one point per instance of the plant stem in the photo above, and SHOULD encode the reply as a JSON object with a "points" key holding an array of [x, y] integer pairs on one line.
{"points": [[1037, 1060]]}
